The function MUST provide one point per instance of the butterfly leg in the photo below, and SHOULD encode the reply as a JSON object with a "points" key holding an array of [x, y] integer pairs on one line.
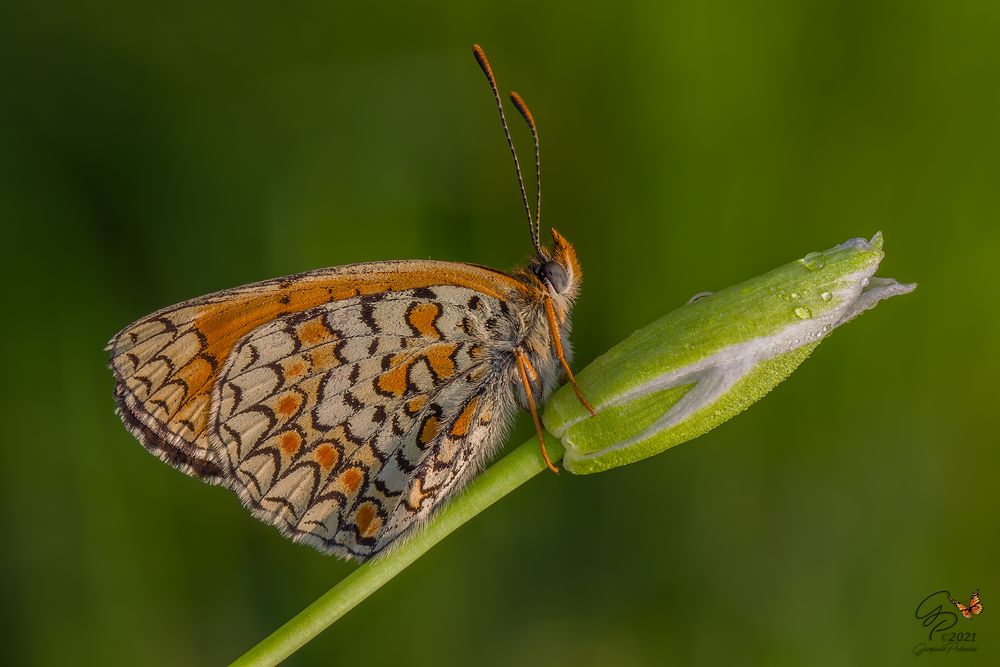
{"points": [[532, 372], [550, 313], [522, 366]]}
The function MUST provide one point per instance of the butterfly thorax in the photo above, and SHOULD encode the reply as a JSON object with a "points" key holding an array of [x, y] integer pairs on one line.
{"points": [[553, 278], [535, 340]]}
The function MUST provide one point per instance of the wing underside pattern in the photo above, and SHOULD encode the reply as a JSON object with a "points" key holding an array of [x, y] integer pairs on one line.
{"points": [[344, 424]]}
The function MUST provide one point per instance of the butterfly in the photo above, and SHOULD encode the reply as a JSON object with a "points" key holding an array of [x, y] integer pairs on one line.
{"points": [[975, 606], [345, 405]]}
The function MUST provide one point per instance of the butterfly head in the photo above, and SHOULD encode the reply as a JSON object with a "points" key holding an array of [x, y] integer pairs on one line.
{"points": [[557, 268]]}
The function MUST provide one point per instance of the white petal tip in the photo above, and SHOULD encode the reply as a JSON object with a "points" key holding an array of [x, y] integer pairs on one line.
{"points": [[877, 289]]}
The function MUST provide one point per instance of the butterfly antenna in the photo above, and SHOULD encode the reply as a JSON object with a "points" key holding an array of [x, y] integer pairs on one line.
{"points": [[484, 64], [522, 107]]}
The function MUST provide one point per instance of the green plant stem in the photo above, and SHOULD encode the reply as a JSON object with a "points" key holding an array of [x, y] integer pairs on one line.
{"points": [[500, 479]]}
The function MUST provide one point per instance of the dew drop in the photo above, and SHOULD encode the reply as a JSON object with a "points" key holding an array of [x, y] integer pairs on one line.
{"points": [[803, 313], [864, 282], [814, 261], [826, 296], [794, 295]]}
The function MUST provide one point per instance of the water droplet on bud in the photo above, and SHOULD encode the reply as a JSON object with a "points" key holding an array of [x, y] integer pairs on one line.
{"points": [[814, 261]]}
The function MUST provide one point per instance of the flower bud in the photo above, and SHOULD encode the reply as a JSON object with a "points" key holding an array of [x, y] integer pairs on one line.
{"points": [[705, 362]]}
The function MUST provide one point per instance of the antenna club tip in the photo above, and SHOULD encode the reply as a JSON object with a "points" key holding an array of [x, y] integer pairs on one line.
{"points": [[522, 108], [480, 55]]}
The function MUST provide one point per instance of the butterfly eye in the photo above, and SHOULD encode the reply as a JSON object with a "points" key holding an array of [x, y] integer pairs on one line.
{"points": [[556, 275]]}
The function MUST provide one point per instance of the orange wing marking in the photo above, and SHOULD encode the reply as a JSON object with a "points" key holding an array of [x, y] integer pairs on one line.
{"points": [[326, 456], [290, 442], [422, 318], [461, 425], [367, 520]]}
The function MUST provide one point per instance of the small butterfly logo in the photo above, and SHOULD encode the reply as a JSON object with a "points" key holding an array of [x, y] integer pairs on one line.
{"points": [[975, 606]]}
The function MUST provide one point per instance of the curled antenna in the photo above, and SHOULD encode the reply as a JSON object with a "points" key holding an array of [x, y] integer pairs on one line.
{"points": [[522, 107], [480, 55]]}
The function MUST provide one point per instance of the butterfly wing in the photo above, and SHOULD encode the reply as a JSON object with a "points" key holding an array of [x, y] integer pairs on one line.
{"points": [[166, 365], [347, 424], [396, 371]]}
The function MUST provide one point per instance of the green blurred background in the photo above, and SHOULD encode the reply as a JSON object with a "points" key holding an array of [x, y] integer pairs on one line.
{"points": [[155, 152]]}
